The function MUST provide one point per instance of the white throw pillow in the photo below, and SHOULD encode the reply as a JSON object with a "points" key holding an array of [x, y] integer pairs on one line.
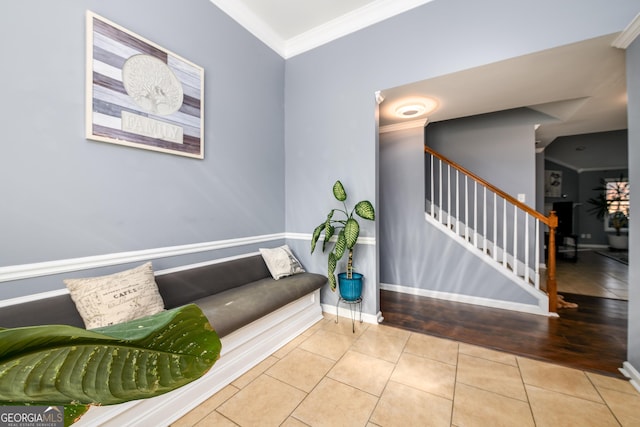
{"points": [[281, 262], [116, 298]]}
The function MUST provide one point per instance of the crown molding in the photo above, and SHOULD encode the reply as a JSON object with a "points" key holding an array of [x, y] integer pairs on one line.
{"points": [[349, 23], [581, 170], [628, 35], [252, 23], [332, 30], [403, 126]]}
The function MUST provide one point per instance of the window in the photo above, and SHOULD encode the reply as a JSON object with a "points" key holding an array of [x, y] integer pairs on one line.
{"points": [[617, 195]]}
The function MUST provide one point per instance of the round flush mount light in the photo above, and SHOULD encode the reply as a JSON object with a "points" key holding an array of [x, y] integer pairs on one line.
{"points": [[416, 108], [412, 110]]}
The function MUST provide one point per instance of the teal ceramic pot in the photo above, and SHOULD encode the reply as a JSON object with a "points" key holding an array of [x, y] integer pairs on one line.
{"points": [[350, 289]]}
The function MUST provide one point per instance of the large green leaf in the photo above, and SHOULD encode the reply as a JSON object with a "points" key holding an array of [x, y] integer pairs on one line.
{"points": [[365, 210], [331, 268], [328, 233], [351, 232], [341, 245], [339, 192], [64, 365], [316, 235]]}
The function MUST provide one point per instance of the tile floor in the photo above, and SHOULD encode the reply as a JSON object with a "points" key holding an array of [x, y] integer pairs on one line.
{"points": [[593, 274], [383, 376]]}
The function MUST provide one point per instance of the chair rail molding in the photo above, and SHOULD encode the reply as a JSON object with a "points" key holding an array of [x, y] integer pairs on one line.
{"points": [[46, 268]]}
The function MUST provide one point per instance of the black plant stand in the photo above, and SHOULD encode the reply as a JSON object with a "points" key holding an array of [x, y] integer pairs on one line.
{"points": [[354, 307]]}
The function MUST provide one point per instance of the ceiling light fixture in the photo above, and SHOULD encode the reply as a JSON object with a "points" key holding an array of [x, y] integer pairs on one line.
{"points": [[412, 110], [415, 108]]}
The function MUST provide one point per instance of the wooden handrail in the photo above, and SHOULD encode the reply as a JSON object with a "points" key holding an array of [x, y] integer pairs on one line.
{"points": [[491, 187], [551, 221]]}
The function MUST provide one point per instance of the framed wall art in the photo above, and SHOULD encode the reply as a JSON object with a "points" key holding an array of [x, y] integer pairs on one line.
{"points": [[141, 95], [552, 183]]}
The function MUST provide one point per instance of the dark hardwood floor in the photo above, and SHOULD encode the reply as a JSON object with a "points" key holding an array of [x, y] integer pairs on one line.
{"points": [[592, 337]]}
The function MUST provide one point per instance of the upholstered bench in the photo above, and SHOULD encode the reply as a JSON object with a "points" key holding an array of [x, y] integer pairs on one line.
{"points": [[253, 313]]}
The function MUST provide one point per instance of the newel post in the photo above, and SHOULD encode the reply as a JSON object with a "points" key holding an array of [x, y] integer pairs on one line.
{"points": [[552, 287]]}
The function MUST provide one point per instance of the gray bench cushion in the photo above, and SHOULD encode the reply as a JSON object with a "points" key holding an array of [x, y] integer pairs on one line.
{"points": [[234, 293], [237, 307], [185, 286], [58, 310]]}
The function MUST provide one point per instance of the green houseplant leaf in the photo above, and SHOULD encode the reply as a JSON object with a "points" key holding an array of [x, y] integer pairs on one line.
{"points": [[65, 365], [365, 210], [347, 228], [338, 191], [351, 232]]}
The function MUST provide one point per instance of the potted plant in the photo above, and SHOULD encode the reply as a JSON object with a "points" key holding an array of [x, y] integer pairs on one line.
{"points": [[347, 228], [611, 204]]}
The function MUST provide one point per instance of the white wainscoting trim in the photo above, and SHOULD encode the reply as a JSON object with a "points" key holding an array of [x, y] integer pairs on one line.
{"points": [[632, 373], [25, 271], [486, 302], [241, 351], [308, 236]]}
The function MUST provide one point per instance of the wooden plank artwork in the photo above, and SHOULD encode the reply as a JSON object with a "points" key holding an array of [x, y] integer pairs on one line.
{"points": [[141, 95]]}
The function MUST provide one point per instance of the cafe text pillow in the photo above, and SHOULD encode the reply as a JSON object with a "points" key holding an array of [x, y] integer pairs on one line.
{"points": [[281, 262], [116, 298]]}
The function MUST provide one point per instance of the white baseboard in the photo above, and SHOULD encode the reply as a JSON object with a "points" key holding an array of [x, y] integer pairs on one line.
{"points": [[241, 351], [485, 302], [344, 311], [632, 373]]}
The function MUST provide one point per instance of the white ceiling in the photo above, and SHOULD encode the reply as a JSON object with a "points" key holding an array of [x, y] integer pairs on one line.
{"points": [[291, 27], [581, 85]]}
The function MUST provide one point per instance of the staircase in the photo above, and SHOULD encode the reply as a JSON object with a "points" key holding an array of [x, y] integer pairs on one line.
{"points": [[501, 230]]}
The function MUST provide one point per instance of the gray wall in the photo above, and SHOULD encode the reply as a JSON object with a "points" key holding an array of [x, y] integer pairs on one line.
{"points": [[570, 187], [498, 147], [633, 90], [406, 240], [330, 129], [65, 197]]}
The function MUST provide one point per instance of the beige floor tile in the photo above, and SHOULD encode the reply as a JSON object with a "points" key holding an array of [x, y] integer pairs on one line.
{"points": [[206, 407], [402, 406], [485, 353], [425, 374], [377, 343], [328, 344], [389, 330], [266, 401], [557, 378], [435, 348], [344, 326], [625, 406], [287, 348], [602, 381], [333, 404], [476, 407], [215, 419], [551, 409], [363, 372], [301, 369], [254, 372], [317, 326], [491, 376], [292, 422]]}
